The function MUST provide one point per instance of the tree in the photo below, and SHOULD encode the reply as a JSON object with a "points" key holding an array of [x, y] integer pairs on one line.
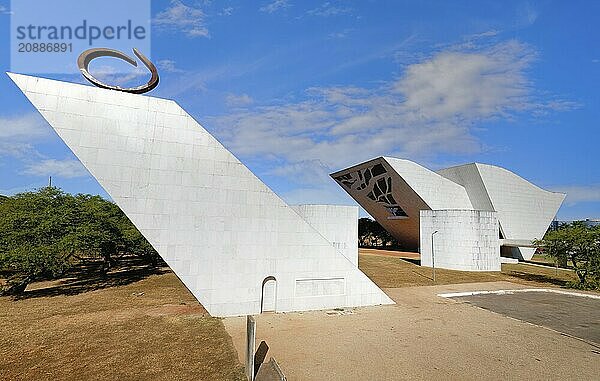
{"points": [[44, 233], [371, 233], [365, 232], [33, 239], [578, 244]]}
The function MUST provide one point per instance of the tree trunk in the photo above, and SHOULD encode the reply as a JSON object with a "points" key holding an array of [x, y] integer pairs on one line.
{"points": [[581, 274], [18, 288]]}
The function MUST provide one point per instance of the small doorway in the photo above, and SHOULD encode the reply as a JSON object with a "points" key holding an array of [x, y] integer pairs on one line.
{"points": [[268, 302]]}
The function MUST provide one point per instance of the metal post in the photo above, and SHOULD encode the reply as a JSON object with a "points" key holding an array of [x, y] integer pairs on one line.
{"points": [[433, 255], [250, 346]]}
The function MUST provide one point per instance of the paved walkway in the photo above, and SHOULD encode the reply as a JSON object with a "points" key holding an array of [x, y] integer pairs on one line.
{"points": [[574, 315], [422, 337]]}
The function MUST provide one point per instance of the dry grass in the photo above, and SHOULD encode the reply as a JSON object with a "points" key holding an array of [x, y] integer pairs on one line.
{"points": [[115, 333], [137, 324], [390, 272]]}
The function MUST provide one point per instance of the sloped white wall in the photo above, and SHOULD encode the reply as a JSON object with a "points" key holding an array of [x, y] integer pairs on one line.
{"points": [[219, 228], [468, 176], [524, 210], [437, 191], [414, 188], [337, 223]]}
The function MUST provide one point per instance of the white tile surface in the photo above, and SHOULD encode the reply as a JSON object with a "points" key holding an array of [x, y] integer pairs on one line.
{"points": [[466, 240], [524, 211], [414, 188], [216, 224], [337, 223]]}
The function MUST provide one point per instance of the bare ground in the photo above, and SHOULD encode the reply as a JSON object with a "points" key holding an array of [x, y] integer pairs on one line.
{"points": [[138, 324], [422, 337], [146, 328], [395, 271]]}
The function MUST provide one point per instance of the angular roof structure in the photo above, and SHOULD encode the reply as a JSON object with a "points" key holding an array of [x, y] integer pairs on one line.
{"points": [[393, 191], [524, 210]]}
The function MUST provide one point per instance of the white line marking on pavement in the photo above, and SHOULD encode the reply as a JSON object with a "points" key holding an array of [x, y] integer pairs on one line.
{"points": [[505, 292]]}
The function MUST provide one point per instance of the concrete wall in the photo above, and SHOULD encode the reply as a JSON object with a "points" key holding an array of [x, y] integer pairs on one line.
{"points": [[467, 240], [524, 210], [437, 191], [413, 188], [337, 223], [219, 228], [468, 176]]}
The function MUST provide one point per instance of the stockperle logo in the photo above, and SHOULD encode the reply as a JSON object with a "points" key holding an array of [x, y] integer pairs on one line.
{"points": [[48, 36]]}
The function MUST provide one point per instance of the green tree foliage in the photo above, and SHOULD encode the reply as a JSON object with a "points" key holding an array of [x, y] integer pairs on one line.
{"points": [[371, 234], [45, 233], [578, 244]]}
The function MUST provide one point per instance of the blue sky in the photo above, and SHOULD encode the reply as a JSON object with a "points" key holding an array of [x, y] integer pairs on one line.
{"points": [[300, 89]]}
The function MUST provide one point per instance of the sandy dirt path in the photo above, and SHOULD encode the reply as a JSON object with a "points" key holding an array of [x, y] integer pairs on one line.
{"points": [[422, 337]]}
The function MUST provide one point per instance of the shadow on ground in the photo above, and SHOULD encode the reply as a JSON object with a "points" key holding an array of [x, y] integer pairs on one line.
{"points": [[87, 278], [412, 260], [540, 278]]}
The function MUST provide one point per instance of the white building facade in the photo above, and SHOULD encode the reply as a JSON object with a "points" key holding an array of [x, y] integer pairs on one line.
{"points": [[232, 241], [464, 240], [337, 223], [396, 191]]}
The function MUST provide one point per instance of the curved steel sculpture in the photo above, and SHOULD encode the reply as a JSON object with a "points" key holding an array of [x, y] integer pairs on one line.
{"points": [[87, 56]]}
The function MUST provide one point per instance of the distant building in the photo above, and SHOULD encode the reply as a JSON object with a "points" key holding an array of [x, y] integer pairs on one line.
{"points": [[590, 223], [587, 222], [467, 214]]}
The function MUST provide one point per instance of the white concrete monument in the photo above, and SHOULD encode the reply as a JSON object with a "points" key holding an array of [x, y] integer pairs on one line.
{"points": [[231, 240], [396, 191]]}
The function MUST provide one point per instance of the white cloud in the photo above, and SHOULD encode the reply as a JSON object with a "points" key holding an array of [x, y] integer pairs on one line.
{"points": [[526, 15], [431, 108], [180, 17], [168, 66], [580, 193], [67, 168], [469, 85], [23, 128], [118, 74], [228, 11], [327, 9], [18, 134], [303, 172], [17, 149], [341, 34], [323, 195], [23, 188], [198, 80], [4, 10], [234, 100], [275, 6]]}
